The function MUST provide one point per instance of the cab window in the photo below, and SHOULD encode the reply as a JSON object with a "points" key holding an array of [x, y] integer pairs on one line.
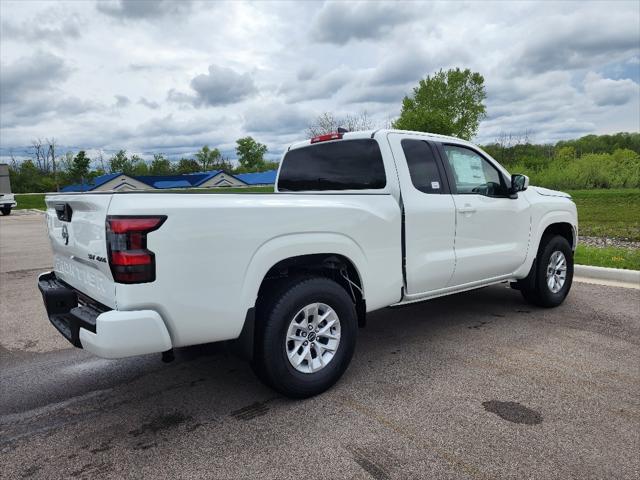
{"points": [[473, 174]]}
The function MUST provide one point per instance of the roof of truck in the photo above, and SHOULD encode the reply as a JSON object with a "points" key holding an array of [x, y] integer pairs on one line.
{"points": [[380, 131]]}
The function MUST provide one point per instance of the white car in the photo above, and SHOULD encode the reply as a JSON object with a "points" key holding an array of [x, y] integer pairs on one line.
{"points": [[7, 200], [358, 221]]}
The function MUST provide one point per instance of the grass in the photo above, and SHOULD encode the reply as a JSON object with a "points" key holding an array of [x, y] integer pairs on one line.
{"points": [[627, 258], [609, 213], [35, 200]]}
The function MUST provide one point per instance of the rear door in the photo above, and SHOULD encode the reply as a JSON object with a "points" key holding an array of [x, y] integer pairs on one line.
{"points": [[76, 225], [429, 210]]}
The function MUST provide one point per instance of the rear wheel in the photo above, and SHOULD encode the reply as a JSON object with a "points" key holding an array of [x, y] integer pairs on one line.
{"points": [[552, 273], [306, 334], [6, 210]]}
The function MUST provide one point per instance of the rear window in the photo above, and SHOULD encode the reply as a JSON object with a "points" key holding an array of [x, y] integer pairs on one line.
{"points": [[422, 166], [341, 165]]}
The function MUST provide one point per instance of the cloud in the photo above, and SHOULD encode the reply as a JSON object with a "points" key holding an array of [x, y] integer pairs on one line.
{"points": [[577, 41], [171, 126], [148, 103], [340, 22], [122, 101], [33, 31], [314, 85], [605, 91], [220, 86], [31, 90], [378, 94], [143, 9], [551, 68], [275, 118], [38, 72]]}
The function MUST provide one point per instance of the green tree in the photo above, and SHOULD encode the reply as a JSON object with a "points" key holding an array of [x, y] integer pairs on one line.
{"points": [[138, 166], [79, 169], [120, 163], [208, 159], [250, 154], [448, 103], [566, 153], [160, 165], [187, 165]]}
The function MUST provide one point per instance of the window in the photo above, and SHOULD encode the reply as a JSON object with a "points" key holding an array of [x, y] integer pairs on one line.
{"points": [[422, 166], [472, 173], [341, 165]]}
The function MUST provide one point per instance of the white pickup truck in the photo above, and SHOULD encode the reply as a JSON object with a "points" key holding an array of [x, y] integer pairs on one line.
{"points": [[358, 221]]}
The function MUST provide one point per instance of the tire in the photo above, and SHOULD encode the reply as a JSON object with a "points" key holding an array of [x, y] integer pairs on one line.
{"points": [[536, 288], [274, 344], [6, 210]]}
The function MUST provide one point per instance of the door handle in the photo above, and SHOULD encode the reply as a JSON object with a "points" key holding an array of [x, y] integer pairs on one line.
{"points": [[467, 209]]}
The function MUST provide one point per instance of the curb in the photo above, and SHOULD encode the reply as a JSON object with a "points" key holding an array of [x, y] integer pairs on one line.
{"points": [[610, 274]]}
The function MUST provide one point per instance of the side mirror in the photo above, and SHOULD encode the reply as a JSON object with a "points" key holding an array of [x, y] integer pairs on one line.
{"points": [[519, 183]]}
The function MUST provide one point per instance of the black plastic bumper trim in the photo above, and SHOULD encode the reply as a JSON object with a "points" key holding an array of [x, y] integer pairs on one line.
{"points": [[65, 311]]}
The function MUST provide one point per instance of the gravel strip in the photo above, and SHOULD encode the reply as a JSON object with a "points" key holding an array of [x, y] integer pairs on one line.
{"points": [[607, 242]]}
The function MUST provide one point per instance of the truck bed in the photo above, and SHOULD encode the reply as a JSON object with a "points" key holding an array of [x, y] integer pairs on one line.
{"points": [[213, 250]]}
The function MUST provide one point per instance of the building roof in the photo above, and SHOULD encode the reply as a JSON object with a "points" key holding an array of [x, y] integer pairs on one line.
{"points": [[172, 184], [95, 183], [258, 178], [186, 180], [77, 187]]}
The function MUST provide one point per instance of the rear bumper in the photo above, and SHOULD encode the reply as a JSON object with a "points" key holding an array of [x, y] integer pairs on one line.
{"points": [[104, 332], [8, 204]]}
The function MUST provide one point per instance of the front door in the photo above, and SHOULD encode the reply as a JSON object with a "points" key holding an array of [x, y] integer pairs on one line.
{"points": [[492, 229]]}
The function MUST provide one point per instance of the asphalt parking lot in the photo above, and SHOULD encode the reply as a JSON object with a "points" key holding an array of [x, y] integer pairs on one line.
{"points": [[478, 385]]}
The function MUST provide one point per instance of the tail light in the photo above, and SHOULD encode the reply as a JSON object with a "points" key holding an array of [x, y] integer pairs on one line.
{"points": [[327, 137], [129, 259]]}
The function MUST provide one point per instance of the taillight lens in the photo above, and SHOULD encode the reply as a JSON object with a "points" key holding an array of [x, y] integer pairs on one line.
{"points": [[129, 258], [327, 137]]}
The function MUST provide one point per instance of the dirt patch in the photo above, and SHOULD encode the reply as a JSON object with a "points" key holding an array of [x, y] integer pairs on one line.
{"points": [[160, 423], [513, 412], [254, 410], [376, 462]]}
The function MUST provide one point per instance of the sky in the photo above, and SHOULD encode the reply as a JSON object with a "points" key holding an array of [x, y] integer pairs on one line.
{"points": [[171, 76]]}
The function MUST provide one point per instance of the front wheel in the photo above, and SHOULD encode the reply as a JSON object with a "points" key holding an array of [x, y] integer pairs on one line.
{"points": [[306, 335], [553, 272]]}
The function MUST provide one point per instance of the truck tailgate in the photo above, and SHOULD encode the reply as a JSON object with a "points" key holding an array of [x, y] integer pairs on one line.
{"points": [[76, 225]]}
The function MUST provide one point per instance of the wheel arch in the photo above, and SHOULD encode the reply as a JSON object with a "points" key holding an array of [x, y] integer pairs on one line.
{"points": [[560, 222], [328, 255], [564, 229], [298, 253]]}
